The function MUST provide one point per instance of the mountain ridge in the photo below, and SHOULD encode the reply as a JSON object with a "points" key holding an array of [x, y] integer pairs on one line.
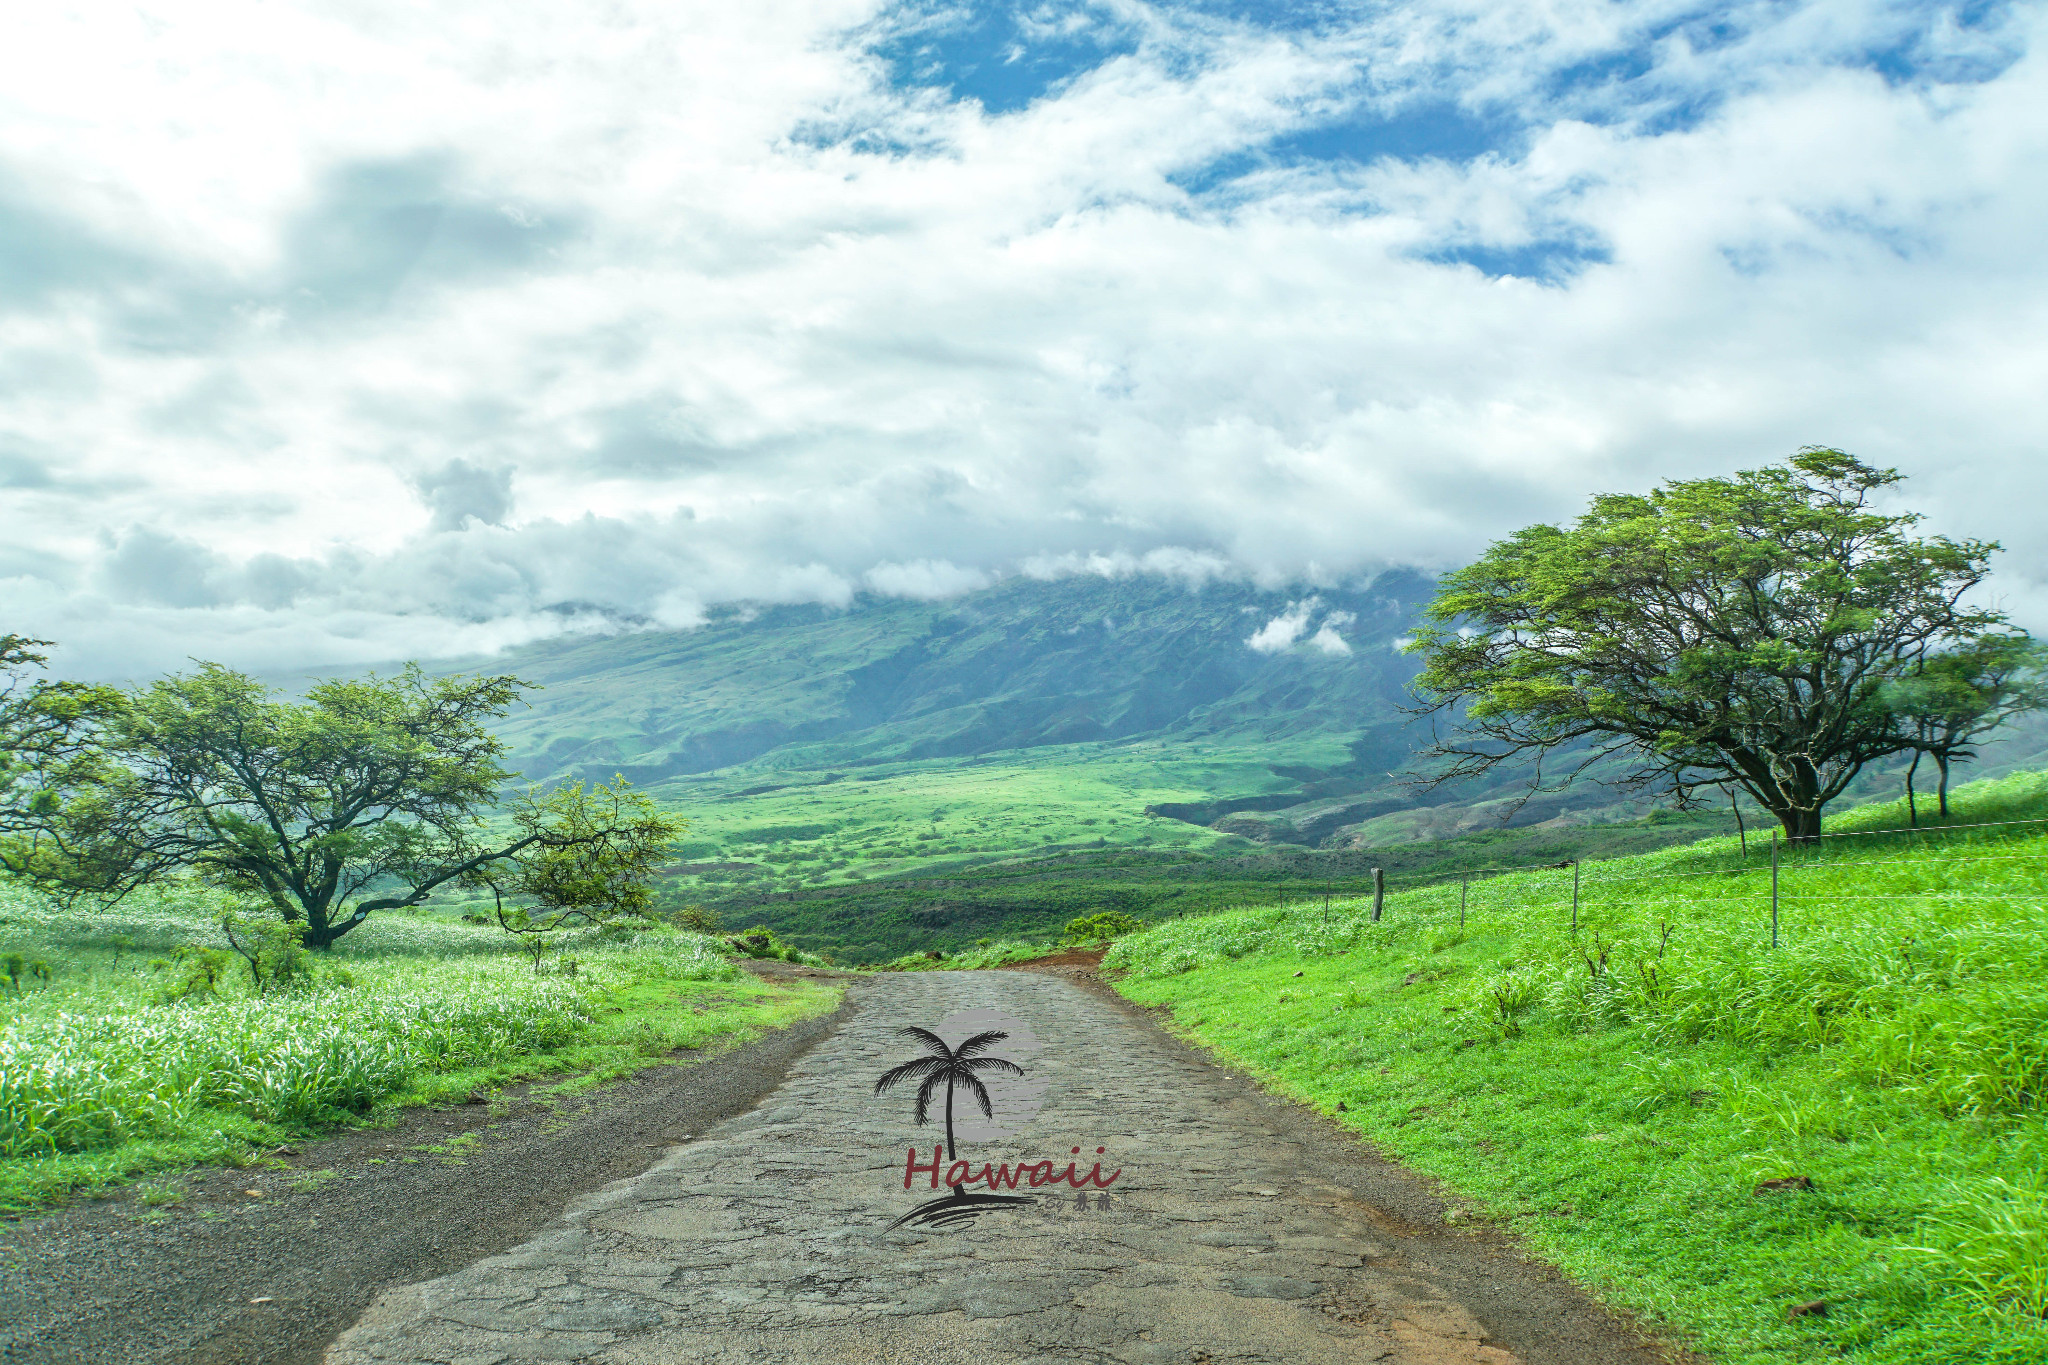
{"points": [[1023, 665]]}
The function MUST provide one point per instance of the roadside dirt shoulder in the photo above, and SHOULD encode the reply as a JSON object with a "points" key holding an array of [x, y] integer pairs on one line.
{"points": [[262, 1266]]}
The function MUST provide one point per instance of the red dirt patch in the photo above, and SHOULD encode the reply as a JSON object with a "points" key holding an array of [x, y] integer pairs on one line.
{"points": [[1073, 957]]}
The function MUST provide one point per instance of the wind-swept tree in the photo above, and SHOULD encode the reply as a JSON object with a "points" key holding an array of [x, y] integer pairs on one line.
{"points": [[950, 1067], [1963, 695], [369, 795], [1751, 632], [595, 860]]}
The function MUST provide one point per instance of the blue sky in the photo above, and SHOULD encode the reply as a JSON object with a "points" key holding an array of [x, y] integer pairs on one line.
{"points": [[340, 332]]}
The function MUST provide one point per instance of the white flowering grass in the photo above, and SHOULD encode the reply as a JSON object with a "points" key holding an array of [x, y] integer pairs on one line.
{"points": [[95, 1058]]}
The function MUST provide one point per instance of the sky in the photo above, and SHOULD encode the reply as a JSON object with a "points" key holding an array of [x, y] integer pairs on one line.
{"points": [[347, 332]]}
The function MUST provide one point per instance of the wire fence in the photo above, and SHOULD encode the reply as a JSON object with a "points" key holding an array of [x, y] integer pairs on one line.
{"points": [[1783, 862]]}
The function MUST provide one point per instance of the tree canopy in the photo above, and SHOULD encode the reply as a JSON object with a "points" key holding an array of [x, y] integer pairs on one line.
{"points": [[43, 724], [369, 795], [1959, 697], [1771, 632]]}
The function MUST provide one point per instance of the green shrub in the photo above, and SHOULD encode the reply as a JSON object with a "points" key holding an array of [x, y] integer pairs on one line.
{"points": [[1102, 927], [191, 972], [759, 942], [15, 966], [696, 919], [274, 951]]}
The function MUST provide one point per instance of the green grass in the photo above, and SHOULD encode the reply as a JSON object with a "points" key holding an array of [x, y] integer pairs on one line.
{"points": [[101, 1082], [816, 829], [948, 909], [1618, 1095]]}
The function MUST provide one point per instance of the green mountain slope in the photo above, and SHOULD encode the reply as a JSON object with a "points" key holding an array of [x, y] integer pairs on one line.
{"points": [[1024, 665]]}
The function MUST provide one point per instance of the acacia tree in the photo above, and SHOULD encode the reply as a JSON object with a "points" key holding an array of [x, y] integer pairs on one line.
{"points": [[43, 724], [1751, 633], [595, 860], [1963, 695], [369, 795]]}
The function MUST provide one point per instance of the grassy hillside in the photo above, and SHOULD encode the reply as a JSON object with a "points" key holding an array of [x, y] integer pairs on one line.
{"points": [[1715, 1133]]}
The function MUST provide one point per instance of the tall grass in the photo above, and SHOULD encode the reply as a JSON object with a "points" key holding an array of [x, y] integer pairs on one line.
{"points": [[1897, 1035], [95, 1059]]}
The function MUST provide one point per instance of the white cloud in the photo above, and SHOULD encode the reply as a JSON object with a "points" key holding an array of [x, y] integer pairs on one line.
{"points": [[396, 340], [1192, 567], [925, 579], [1326, 637], [1292, 626], [1283, 630]]}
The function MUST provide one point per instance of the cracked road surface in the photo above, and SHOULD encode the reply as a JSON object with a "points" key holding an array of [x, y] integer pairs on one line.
{"points": [[1243, 1228]]}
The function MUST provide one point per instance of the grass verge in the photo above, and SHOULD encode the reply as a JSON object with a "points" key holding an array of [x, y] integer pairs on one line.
{"points": [[103, 1082], [1831, 1147]]}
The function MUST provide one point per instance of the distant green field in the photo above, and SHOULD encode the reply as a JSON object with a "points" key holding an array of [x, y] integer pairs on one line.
{"points": [[1710, 1131], [863, 870]]}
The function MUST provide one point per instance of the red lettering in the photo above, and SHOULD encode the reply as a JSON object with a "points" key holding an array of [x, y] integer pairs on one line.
{"points": [[1005, 1176], [911, 1168]]}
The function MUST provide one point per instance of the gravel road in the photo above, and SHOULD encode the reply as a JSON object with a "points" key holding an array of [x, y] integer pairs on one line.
{"points": [[1241, 1228]]}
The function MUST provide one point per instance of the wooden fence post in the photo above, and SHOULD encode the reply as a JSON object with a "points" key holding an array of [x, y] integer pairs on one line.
{"points": [[1379, 893], [1774, 889]]}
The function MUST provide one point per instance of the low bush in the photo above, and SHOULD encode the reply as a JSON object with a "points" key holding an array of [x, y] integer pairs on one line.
{"points": [[1102, 927]]}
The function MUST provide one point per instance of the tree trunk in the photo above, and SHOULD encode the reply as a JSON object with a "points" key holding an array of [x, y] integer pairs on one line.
{"points": [[951, 1154], [1802, 824], [1912, 809], [323, 929], [1941, 762], [318, 936]]}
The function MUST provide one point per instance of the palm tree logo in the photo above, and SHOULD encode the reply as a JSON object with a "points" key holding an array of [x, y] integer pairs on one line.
{"points": [[955, 1068]]}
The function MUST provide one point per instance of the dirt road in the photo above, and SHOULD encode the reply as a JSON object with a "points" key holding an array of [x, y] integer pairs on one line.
{"points": [[1240, 1229]]}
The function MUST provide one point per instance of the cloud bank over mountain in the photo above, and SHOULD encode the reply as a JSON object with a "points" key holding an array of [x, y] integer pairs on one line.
{"points": [[349, 332]]}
